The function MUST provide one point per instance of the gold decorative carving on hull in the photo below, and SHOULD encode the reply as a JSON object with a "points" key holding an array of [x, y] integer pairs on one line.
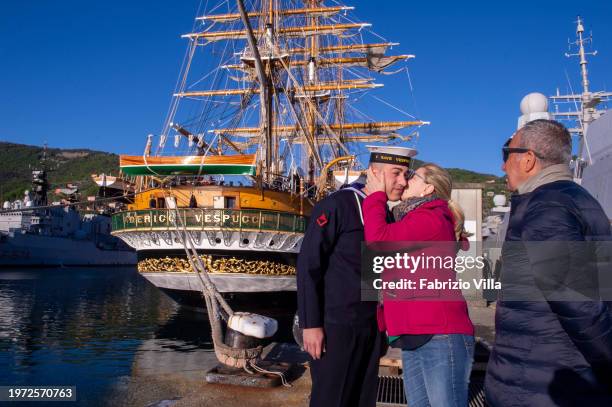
{"points": [[216, 266]]}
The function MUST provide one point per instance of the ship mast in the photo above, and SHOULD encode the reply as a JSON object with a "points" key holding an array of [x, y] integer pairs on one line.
{"points": [[588, 101], [312, 79], [264, 86], [298, 64]]}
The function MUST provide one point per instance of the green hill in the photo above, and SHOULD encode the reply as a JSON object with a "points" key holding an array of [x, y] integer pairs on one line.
{"points": [[492, 184], [64, 166], [463, 176]]}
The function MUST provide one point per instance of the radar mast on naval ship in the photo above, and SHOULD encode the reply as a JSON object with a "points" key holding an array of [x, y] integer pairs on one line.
{"points": [[584, 108], [587, 117]]}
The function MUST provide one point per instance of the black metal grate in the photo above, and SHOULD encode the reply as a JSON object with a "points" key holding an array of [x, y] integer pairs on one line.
{"points": [[390, 392], [476, 395]]}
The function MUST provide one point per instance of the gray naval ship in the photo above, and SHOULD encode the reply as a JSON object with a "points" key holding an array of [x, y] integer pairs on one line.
{"points": [[588, 116], [34, 233]]}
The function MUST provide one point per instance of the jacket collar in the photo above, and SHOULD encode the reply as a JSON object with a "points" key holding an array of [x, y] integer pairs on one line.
{"points": [[552, 173]]}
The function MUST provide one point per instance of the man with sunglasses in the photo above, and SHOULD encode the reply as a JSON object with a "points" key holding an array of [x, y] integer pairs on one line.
{"points": [[553, 342]]}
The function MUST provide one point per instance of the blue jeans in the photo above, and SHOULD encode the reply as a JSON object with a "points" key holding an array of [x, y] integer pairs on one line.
{"points": [[437, 374]]}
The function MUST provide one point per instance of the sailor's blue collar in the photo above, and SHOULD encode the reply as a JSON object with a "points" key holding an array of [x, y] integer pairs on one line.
{"points": [[355, 185]]}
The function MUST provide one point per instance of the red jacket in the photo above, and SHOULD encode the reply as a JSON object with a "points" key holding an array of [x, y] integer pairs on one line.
{"points": [[432, 221]]}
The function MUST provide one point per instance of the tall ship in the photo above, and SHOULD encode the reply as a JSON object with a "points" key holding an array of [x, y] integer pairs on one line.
{"points": [[271, 112], [36, 233]]}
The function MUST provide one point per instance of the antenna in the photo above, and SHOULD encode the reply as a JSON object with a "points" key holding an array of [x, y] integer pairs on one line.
{"points": [[580, 42]]}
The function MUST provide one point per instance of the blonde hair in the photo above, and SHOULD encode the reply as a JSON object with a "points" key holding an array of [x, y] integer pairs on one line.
{"points": [[442, 182]]}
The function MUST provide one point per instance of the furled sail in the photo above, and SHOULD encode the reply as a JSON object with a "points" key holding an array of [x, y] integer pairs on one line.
{"points": [[302, 31], [313, 11]]}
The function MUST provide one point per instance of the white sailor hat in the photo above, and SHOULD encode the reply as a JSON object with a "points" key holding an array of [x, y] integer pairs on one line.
{"points": [[391, 155]]}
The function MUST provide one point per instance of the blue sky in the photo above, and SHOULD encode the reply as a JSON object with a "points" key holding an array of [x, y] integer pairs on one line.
{"points": [[99, 74]]}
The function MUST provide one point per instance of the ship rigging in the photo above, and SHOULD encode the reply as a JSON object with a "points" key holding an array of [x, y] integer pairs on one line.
{"points": [[283, 99]]}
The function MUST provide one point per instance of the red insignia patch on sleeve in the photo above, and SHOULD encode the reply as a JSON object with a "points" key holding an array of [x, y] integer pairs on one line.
{"points": [[322, 220]]}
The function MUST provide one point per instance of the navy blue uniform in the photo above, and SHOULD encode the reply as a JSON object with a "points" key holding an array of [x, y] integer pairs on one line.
{"points": [[329, 296]]}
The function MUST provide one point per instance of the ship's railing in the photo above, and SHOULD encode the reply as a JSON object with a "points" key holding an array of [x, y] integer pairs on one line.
{"points": [[208, 218]]}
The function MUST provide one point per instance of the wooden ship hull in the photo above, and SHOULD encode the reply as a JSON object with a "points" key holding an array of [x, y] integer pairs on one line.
{"points": [[248, 240]]}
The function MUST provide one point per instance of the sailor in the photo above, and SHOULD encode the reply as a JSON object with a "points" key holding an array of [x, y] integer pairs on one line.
{"points": [[339, 329]]}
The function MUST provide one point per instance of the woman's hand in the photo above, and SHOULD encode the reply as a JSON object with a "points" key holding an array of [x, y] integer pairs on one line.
{"points": [[374, 182]]}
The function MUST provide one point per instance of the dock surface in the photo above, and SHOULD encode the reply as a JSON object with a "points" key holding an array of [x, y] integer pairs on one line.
{"points": [[164, 376]]}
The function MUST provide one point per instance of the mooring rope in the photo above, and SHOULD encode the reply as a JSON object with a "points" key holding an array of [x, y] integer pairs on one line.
{"points": [[229, 356]]}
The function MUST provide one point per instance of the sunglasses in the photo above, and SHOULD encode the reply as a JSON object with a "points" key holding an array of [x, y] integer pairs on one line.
{"points": [[506, 151], [412, 173]]}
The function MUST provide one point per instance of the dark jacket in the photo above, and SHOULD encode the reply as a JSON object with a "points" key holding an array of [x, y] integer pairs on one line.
{"points": [[553, 342], [329, 265]]}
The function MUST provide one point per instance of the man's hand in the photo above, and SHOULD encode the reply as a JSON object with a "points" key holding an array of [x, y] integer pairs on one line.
{"points": [[314, 342], [375, 182]]}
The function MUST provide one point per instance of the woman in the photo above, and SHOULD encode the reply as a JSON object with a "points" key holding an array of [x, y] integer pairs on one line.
{"points": [[435, 334]]}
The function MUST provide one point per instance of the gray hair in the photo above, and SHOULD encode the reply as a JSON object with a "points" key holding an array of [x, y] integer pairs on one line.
{"points": [[549, 139]]}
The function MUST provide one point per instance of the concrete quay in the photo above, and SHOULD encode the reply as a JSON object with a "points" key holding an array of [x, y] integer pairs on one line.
{"points": [[167, 374]]}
